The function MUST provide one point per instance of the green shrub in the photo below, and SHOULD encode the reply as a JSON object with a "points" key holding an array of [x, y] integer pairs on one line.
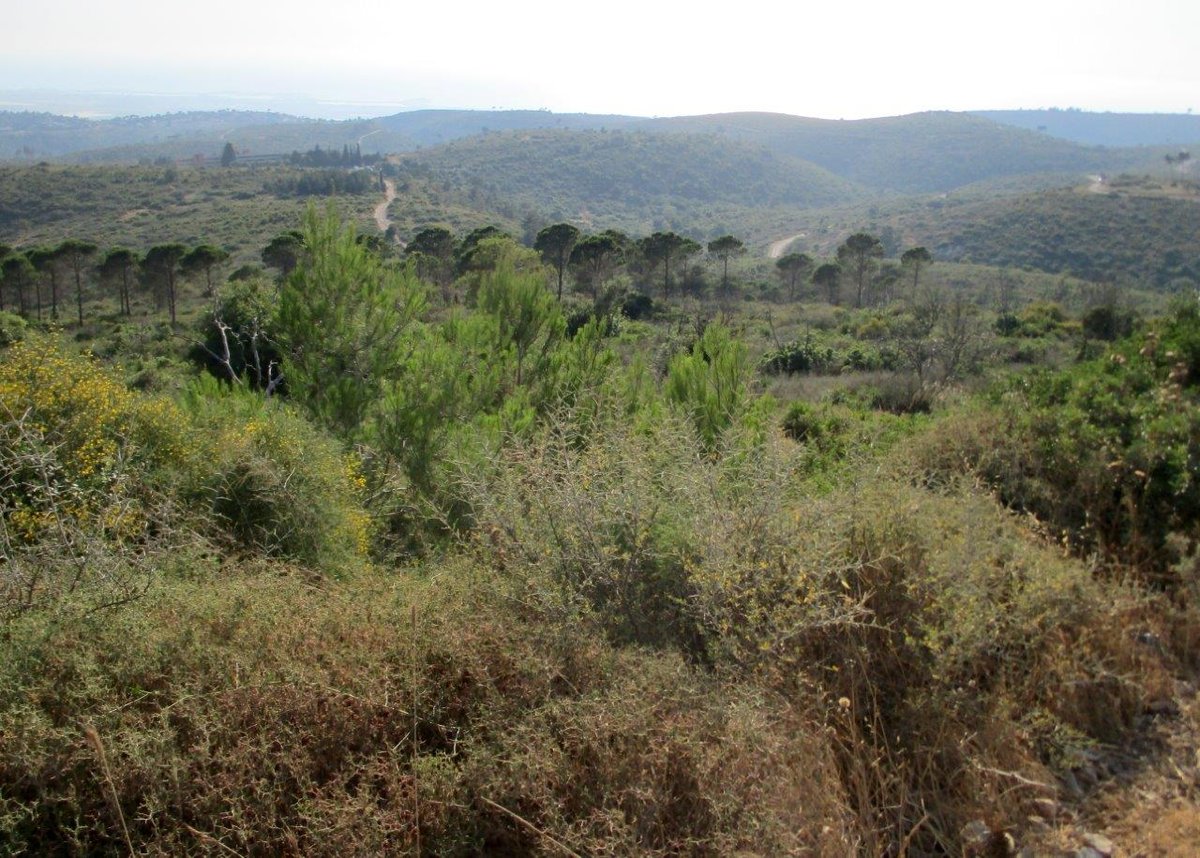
{"points": [[12, 328], [811, 425], [709, 384], [274, 482], [1106, 453]]}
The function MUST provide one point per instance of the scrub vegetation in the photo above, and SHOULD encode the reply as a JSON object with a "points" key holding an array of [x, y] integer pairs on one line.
{"points": [[498, 533]]}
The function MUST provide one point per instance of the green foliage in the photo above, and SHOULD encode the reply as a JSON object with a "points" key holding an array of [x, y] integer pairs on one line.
{"points": [[131, 206], [160, 268], [239, 335], [857, 256], [709, 384], [661, 248], [202, 259], [799, 357], [595, 258], [482, 376], [1148, 239], [274, 483], [1106, 452], [622, 171], [828, 278], [12, 328], [528, 319], [726, 248], [325, 183], [86, 470], [342, 319], [1106, 322], [555, 243], [795, 268], [811, 425], [284, 252]]}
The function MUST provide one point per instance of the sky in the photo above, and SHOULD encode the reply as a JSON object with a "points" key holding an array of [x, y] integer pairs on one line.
{"points": [[646, 58]]}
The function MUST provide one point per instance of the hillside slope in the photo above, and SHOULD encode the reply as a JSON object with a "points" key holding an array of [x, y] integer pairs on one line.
{"points": [[38, 136], [917, 153], [623, 174], [1152, 239], [31, 136], [1104, 129]]}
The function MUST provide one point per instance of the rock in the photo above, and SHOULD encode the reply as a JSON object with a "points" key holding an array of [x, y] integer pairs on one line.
{"points": [[1087, 852], [1072, 784], [1101, 844], [1047, 808], [975, 833]]}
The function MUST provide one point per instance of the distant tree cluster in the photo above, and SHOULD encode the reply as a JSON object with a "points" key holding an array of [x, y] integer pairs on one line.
{"points": [[668, 264], [325, 183], [32, 279], [347, 157]]}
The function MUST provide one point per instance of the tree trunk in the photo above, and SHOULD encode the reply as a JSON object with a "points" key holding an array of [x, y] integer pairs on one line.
{"points": [[79, 294]]}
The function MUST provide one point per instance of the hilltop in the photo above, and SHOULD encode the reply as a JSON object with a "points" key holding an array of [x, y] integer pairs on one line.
{"points": [[917, 153], [1105, 129], [618, 177]]}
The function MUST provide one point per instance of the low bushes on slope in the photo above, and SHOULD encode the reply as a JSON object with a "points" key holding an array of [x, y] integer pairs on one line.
{"points": [[946, 653], [99, 482]]}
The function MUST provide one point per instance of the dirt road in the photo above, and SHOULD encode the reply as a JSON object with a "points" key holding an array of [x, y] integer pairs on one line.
{"points": [[778, 247], [381, 211]]}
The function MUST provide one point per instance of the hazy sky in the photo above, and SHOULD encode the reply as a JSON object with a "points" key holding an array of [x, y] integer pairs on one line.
{"points": [[868, 58]]}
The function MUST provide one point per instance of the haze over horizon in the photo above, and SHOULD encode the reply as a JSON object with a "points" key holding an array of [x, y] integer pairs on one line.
{"points": [[630, 58]]}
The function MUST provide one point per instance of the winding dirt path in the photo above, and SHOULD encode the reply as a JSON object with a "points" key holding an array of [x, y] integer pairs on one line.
{"points": [[381, 211], [778, 247]]}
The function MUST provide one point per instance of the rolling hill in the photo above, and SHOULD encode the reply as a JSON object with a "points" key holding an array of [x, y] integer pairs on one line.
{"points": [[1127, 231], [917, 153], [43, 136], [1105, 129], [622, 178]]}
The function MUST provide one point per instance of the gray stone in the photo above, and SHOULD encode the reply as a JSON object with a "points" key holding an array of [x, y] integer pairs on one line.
{"points": [[1047, 808], [975, 832], [1100, 844]]}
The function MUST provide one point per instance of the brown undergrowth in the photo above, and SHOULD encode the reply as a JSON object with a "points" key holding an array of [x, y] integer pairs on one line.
{"points": [[641, 648]]}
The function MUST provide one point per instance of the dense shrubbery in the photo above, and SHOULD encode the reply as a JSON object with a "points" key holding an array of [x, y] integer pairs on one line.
{"points": [[87, 471], [653, 615], [95, 476], [274, 483], [1105, 453]]}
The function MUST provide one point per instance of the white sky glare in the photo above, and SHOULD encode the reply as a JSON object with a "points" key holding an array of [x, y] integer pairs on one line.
{"points": [[871, 58]]}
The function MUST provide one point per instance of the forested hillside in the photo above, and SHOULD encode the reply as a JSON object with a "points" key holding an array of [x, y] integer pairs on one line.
{"points": [[1105, 129], [1112, 232], [617, 174], [917, 153]]}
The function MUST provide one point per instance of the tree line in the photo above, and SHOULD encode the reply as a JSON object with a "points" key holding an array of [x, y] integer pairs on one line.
{"points": [[32, 280], [665, 261], [39, 282]]}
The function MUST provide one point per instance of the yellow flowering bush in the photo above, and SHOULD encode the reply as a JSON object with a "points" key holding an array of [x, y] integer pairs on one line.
{"points": [[96, 479], [83, 499], [73, 439]]}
